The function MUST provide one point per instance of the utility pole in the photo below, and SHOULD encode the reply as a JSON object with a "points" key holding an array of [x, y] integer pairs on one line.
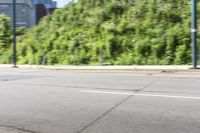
{"points": [[14, 33], [194, 34]]}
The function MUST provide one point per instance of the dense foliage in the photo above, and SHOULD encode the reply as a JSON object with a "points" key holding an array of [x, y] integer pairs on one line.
{"points": [[5, 39], [128, 31]]}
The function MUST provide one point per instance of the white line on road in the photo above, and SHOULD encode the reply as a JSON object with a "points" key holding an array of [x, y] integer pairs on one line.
{"points": [[141, 94]]}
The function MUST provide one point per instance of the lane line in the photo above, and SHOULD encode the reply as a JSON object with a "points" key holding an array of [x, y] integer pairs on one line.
{"points": [[142, 94]]}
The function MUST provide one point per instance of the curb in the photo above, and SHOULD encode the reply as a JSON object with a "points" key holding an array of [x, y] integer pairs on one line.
{"points": [[106, 68]]}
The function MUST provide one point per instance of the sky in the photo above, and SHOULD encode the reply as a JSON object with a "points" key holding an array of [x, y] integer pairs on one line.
{"points": [[62, 3]]}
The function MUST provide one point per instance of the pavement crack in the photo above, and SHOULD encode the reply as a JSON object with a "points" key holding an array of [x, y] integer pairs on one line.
{"points": [[18, 79], [104, 114], [77, 87], [115, 106], [146, 86], [19, 129]]}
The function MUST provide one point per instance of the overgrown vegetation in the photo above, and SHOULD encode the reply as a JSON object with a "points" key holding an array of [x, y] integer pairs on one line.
{"points": [[5, 39], [128, 31]]}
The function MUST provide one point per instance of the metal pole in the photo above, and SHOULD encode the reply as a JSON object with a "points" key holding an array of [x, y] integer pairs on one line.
{"points": [[194, 34], [14, 33], [102, 57]]}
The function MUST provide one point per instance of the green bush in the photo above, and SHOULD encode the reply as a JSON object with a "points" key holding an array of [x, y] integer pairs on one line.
{"points": [[5, 40], [129, 31]]}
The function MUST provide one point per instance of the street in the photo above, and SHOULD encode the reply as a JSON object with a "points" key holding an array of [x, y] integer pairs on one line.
{"points": [[50, 101]]}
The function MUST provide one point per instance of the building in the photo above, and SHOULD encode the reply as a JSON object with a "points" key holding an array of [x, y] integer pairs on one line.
{"points": [[44, 7], [24, 11], [47, 3], [28, 12], [40, 12]]}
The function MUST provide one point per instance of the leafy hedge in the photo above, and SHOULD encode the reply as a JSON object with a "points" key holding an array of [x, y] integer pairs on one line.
{"points": [[128, 31], [5, 40]]}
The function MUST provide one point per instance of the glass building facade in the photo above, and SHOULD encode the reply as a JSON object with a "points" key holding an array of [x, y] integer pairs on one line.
{"points": [[25, 10]]}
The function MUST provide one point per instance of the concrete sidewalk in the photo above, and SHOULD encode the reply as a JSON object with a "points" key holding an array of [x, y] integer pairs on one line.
{"points": [[128, 68]]}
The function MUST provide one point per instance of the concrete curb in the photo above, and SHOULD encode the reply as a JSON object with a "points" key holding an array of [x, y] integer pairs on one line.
{"points": [[128, 68]]}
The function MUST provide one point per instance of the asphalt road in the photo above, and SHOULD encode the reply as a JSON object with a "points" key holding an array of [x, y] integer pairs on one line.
{"points": [[40, 101]]}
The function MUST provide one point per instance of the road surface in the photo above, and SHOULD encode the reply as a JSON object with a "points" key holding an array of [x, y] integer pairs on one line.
{"points": [[42, 101]]}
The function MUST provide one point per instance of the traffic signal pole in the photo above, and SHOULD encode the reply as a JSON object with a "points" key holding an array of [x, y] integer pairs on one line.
{"points": [[14, 33], [194, 34]]}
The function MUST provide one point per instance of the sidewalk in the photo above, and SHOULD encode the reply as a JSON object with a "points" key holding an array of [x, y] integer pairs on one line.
{"points": [[128, 68]]}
